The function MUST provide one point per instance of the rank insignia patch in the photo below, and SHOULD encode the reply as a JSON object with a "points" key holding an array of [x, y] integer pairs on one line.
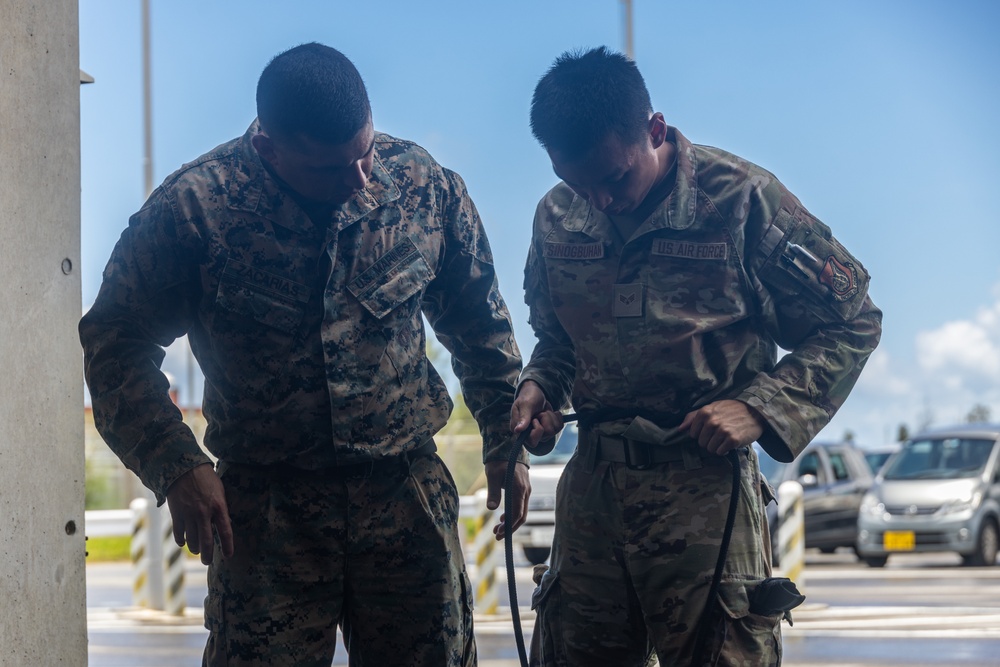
{"points": [[842, 279], [628, 300]]}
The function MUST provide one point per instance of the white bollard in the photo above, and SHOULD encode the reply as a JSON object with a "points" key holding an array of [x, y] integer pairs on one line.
{"points": [[139, 552], [791, 533], [487, 552], [157, 581], [173, 563]]}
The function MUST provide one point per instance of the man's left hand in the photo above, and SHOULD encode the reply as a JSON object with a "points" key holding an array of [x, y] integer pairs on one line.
{"points": [[495, 473], [723, 426]]}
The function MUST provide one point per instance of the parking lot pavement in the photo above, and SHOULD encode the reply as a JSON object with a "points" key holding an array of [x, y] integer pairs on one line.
{"points": [[121, 635]]}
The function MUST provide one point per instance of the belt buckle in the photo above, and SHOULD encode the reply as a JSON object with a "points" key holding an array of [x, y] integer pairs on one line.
{"points": [[637, 455]]}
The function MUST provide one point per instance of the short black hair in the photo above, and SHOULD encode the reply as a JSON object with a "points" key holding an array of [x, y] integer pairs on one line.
{"points": [[312, 89], [586, 96]]}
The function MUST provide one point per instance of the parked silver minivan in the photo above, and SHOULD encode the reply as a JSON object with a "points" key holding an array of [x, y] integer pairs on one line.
{"points": [[939, 492]]}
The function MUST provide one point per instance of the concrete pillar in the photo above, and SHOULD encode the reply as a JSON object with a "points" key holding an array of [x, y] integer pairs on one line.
{"points": [[43, 619]]}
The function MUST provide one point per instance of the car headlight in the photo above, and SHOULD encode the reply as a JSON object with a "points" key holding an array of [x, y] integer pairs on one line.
{"points": [[957, 506], [872, 506]]}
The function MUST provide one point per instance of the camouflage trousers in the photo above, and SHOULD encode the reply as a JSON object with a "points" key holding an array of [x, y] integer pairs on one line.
{"points": [[632, 563], [376, 554]]}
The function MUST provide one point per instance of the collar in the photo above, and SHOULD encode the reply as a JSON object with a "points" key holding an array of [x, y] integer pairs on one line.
{"points": [[677, 211], [254, 189]]}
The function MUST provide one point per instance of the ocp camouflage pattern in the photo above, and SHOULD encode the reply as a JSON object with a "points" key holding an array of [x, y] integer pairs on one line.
{"points": [[632, 564], [310, 335], [691, 310]]}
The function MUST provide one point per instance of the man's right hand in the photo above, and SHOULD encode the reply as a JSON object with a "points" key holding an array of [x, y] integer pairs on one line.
{"points": [[531, 410], [197, 502]]}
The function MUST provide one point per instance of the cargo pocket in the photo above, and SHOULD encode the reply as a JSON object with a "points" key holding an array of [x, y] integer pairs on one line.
{"points": [[469, 658], [545, 604], [216, 649], [740, 636]]}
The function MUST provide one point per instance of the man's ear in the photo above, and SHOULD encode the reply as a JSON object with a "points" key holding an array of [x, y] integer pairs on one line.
{"points": [[657, 130], [264, 146]]}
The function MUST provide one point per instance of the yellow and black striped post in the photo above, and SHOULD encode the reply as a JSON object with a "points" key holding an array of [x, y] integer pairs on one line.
{"points": [[791, 533], [173, 579], [487, 553], [139, 552]]}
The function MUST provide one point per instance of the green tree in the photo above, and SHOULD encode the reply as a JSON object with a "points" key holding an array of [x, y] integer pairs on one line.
{"points": [[849, 436], [903, 433], [978, 414], [461, 421]]}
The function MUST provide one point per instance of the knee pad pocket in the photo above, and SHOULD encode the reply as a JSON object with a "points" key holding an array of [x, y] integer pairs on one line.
{"points": [[741, 637]]}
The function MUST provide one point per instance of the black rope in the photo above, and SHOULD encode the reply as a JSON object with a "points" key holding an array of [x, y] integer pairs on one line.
{"points": [[508, 543], [727, 534]]}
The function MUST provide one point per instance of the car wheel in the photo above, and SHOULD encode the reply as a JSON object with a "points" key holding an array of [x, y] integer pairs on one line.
{"points": [[536, 555], [876, 561], [986, 546]]}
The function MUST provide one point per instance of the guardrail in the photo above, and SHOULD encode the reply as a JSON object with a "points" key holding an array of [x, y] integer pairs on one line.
{"points": [[118, 523], [134, 523]]}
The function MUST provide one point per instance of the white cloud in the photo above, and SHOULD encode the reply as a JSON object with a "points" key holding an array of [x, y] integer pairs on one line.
{"points": [[957, 367], [879, 378], [966, 346]]}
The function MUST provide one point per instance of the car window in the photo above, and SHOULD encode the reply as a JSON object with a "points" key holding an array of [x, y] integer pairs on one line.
{"points": [[877, 459], [811, 465], [839, 466], [944, 458], [565, 446]]}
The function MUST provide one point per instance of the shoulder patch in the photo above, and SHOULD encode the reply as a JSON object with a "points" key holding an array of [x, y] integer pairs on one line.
{"points": [[840, 277]]}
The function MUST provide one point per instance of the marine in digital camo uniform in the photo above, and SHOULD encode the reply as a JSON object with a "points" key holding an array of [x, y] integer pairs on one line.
{"points": [[660, 278], [300, 264]]}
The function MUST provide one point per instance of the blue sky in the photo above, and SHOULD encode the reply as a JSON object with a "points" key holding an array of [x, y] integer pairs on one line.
{"points": [[881, 116]]}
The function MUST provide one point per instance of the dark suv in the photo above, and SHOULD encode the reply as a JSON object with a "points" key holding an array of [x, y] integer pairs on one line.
{"points": [[834, 479]]}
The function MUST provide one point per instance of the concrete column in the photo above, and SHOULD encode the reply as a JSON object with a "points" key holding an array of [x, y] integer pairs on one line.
{"points": [[43, 618]]}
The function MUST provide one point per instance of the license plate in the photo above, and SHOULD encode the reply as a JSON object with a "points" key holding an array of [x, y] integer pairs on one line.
{"points": [[899, 540]]}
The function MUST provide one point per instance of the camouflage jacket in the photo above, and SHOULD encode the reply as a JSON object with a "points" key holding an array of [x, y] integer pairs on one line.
{"points": [[310, 336], [692, 308]]}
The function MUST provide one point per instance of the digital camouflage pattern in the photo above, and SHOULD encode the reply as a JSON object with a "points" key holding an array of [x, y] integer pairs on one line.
{"points": [[687, 311], [379, 553], [310, 335]]}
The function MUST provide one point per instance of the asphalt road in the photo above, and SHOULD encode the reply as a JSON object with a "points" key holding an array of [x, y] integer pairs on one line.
{"points": [[918, 611]]}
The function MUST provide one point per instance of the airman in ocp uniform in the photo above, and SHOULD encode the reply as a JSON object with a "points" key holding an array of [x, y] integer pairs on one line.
{"points": [[661, 279]]}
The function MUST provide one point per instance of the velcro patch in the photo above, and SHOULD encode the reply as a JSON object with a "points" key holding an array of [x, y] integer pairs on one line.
{"points": [[688, 250], [392, 262], [265, 281], [628, 300], [840, 277], [574, 250]]}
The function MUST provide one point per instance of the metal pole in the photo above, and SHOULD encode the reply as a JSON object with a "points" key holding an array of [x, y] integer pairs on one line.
{"points": [[156, 523], [629, 51], [147, 105]]}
